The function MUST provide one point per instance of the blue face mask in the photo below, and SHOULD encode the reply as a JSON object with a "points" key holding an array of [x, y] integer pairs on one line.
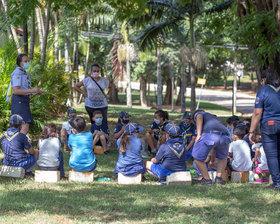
{"points": [[98, 120], [25, 65], [125, 121]]}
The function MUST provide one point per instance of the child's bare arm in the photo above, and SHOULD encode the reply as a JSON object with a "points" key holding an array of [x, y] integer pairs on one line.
{"points": [[191, 143], [257, 152], [118, 134], [154, 160]]}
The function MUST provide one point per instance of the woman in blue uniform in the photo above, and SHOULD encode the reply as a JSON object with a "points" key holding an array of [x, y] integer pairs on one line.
{"points": [[21, 84], [267, 112]]}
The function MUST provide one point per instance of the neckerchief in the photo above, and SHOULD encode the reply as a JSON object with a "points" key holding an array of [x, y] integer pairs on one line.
{"points": [[176, 145], [10, 135], [275, 89]]}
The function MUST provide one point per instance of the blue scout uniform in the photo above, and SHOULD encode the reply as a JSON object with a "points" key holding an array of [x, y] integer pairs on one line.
{"points": [[13, 144], [156, 126], [268, 98], [187, 133], [82, 158], [21, 103], [171, 155], [103, 127], [130, 163], [214, 135]]}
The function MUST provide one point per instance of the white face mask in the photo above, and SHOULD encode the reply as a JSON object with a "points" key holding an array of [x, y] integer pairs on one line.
{"points": [[95, 74], [156, 121]]}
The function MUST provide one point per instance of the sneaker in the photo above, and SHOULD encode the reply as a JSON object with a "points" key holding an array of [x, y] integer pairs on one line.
{"points": [[160, 182], [206, 182], [276, 187], [144, 178], [150, 172], [145, 155], [256, 182], [198, 178], [106, 152], [219, 181], [29, 174], [154, 151]]}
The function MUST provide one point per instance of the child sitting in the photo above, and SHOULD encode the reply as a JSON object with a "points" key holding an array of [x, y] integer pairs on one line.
{"points": [[239, 151], [82, 158], [260, 163], [156, 134], [100, 131], [188, 133], [14, 144], [66, 129], [122, 122], [130, 162], [231, 123], [49, 156], [171, 156]]}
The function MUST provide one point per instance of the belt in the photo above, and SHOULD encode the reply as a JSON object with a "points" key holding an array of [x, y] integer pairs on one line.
{"points": [[216, 133]]}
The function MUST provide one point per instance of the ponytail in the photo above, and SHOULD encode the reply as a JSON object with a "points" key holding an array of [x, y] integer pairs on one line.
{"points": [[124, 142], [163, 114]]}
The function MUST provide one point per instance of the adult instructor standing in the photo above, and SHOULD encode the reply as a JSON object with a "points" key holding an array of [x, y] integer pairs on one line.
{"points": [[95, 97], [267, 112], [21, 84]]}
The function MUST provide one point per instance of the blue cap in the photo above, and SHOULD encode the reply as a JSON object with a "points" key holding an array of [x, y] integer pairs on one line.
{"points": [[172, 129], [187, 115], [132, 128], [16, 119], [70, 111], [240, 125], [123, 114]]}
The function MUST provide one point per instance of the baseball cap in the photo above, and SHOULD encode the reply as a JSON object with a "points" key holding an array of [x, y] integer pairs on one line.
{"points": [[70, 111], [16, 119], [132, 128], [172, 129], [187, 115], [123, 114]]}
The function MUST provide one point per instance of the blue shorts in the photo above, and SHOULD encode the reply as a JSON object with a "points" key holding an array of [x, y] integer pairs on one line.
{"points": [[210, 141], [160, 171], [21, 106], [131, 170], [26, 164]]}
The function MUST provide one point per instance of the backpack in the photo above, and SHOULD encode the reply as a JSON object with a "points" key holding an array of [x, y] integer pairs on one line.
{"points": [[9, 94]]}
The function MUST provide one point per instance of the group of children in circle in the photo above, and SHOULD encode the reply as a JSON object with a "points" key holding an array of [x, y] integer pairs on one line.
{"points": [[169, 143]]}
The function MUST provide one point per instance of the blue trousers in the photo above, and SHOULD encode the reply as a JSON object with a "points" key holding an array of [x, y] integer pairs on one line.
{"points": [[60, 167], [270, 132]]}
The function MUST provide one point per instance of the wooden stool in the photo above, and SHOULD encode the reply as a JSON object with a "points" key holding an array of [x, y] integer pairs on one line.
{"points": [[239, 176], [48, 176], [98, 149], [12, 171], [81, 176], [179, 178], [122, 179]]}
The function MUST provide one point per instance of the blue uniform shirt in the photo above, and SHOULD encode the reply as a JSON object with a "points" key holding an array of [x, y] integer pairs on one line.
{"points": [[211, 123], [187, 132], [268, 98], [118, 128], [103, 127], [14, 149], [21, 79], [82, 158], [172, 154], [158, 127]]}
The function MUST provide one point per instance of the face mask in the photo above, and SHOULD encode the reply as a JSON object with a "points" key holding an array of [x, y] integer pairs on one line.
{"points": [[156, 121], [71, 118], [95, 74], [125, 121], [186, 125], [25, 65], [98, 120]]}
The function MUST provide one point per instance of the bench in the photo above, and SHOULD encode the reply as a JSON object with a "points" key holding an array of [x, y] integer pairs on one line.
{"points": [[98, 149], [179, 178], [12, 171], [122, 179], [239, 176], [81, 176], [48, 176]]}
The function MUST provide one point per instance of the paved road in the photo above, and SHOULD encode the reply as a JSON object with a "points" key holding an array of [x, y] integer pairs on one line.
{"points": [[245, 102]]}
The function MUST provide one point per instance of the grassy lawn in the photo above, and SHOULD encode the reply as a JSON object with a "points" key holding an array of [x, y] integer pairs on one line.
{"points": [[24, 201]]}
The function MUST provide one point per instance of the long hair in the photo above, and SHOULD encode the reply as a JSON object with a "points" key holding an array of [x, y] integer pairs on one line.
{"points": [[124, 142], [49, 131], [271, 77], [163, 114]]}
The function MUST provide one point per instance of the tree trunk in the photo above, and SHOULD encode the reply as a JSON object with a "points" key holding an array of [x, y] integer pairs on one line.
{"points": [[225, 79], [167, 97], [88, 45], [159, 79], [56, 37], [183, 89], [45, 39], [32, 36], [128, 78], [25, 38], [40, 26], [179, 99], [66, 55], [75, 67], [149, 93], [143, 92]]}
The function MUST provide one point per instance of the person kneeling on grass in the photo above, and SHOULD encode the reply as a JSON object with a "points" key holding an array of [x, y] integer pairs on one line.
{"points": [[129, 145], [66, 128], [14, 144], [171, 156], [82, 158], [100, 131], [49, 156]]}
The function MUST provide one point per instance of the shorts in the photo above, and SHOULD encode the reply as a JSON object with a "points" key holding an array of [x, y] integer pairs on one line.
{"points": [[29, 162], [160, 171], [21, 106], [210, 141]]}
